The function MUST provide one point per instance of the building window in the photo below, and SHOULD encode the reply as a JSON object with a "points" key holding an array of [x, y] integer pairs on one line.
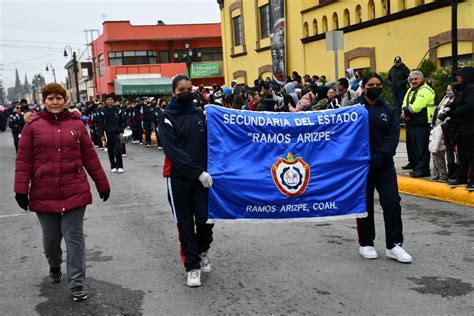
{"points": [[237, 23], [347, 18], [266, 21], [419, 2], [325, 24], [371, 10], [402, 5], [385, 7], [164, 57], [305, 29], [466, 58], [315, 27], [335, 21], [101, 65], [132, 57], [211, 54], [358, 14]]}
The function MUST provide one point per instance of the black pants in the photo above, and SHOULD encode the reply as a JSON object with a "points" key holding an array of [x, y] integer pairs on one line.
{"points": [[147, 128], [114, 149], [466, 159], [385, 181], [417, 147], [137, 131], [16, 139], [188, 200], [157, 136]]}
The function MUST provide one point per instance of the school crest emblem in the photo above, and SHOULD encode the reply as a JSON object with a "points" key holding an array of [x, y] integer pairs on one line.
{"points": [[291, 176]]}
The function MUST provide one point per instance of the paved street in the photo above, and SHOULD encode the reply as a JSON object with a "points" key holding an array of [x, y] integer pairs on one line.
{"points": [[258, 268]]}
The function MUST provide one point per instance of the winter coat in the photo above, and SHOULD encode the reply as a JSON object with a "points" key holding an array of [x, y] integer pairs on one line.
{"points": [[303, 103], [16, 122], [398, 77], [52, 155], [436, 140], [463, 109]]}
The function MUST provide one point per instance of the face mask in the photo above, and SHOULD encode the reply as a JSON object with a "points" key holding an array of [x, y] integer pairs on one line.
{"points": [[185, 97], [450, 94], [374, 93]]}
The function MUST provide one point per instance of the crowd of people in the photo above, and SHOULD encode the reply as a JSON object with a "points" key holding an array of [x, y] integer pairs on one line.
{"points": [[445, 130]]}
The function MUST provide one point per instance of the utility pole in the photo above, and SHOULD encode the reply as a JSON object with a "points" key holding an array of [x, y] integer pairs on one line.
{"points": [[454, 37], [91, 44], [76, 70]]}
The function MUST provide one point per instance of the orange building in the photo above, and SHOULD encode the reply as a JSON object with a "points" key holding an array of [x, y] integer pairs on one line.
{"points": [[133, 60]]}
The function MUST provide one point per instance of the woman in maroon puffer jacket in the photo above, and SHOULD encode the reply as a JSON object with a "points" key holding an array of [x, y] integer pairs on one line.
{"points": [[54, 149]]}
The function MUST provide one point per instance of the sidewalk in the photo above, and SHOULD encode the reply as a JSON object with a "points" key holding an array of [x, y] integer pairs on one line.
{"points": [[424, 186]]}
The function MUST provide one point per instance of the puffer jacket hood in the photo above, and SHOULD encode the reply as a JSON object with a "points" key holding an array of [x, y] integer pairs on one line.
{"points": [[467, 74], [350, 73], [290, 87]]}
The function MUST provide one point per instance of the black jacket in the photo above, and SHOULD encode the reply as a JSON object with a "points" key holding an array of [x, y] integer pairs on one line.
{"points": [[183, 135], [111, 120], [16, 122], [384, 132], [462, 112], [398, 77], [148, 112]]}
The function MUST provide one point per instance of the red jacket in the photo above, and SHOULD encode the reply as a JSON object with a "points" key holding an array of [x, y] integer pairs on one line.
{"points": [[52, 154]]}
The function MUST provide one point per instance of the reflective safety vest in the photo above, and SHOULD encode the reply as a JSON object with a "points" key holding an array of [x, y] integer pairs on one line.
{"points": [[421, 104]]}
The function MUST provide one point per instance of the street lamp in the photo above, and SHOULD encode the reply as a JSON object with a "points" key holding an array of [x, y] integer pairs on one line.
{"points": [[188, 58], [75, 70], [52, 69]]}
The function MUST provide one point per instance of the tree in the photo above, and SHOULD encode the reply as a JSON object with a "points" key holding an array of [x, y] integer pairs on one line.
{"points": [[26, 85], [18, 89]]}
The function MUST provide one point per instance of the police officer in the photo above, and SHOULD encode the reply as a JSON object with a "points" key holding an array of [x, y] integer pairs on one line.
{"points": [[417, 111], [148, 114], [16, 123], [384, 132], [112, 124], [182, 131]]}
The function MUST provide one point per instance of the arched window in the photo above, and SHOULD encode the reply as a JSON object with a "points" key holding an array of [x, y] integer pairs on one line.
{"points": [[402, 5], [305, 29], [419, 2], [347, 18], [335, 21], [325, 24], [371, 10], [315, 27], [385, 8], [358, 14]]}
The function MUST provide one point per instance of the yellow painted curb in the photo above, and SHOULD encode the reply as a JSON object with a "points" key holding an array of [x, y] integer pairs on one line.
{"points": [[435, 190]]}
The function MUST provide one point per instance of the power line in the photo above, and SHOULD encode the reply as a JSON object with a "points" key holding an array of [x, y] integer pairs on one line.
{"points": [[43, 42], [25, 60]]}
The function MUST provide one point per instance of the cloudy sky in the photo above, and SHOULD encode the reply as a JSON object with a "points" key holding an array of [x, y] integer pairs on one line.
{"points": [[35, 32]]}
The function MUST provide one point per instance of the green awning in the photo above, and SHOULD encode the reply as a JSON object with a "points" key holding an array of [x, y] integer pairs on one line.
{"points": [[143, 86]]}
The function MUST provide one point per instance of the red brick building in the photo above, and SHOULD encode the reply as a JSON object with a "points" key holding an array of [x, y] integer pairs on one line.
{"points": [[132, 60]]}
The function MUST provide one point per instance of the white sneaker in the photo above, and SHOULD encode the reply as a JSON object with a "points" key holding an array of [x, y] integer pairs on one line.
{"points": [[124, 155], [160, 148], [194, 278], [148, 145], [399, 254], [105, 149], [120, 170], [368, 252], [114, 170], [205, 262]]}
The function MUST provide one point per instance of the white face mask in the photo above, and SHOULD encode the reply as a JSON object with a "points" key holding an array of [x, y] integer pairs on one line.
{"points": [[450, 94]]}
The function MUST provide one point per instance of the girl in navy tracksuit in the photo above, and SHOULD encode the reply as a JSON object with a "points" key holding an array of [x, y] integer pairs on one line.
{"points": [[183, 135], [384, 132]]}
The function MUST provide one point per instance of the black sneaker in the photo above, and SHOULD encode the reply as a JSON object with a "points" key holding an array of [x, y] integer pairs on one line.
{"points": [[55, 274], [408, 167], [470, 187], [78, 294], [456, 183]]}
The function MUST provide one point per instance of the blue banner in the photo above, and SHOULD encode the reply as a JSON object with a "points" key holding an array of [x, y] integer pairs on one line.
{"points": [[310, 165]]}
